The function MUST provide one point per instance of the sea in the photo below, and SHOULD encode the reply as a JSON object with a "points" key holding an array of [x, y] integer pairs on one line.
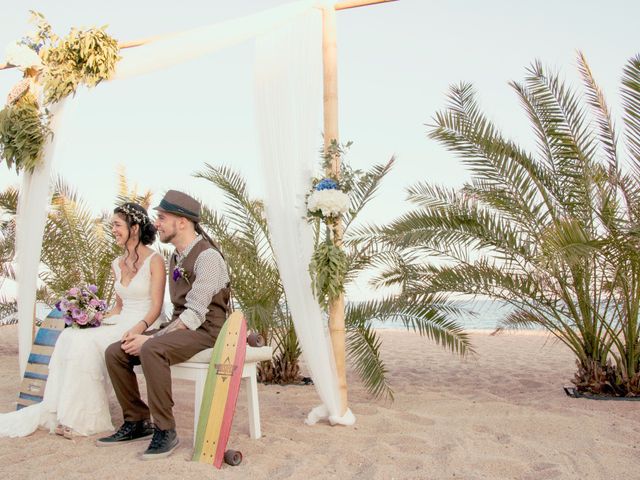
{"points": [[475, 315]]}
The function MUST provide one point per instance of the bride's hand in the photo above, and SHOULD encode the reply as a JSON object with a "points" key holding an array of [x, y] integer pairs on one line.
{"points": [[137, 329]]}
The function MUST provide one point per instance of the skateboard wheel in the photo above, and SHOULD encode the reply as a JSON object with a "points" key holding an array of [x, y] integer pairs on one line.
{"points": [[255, 340], [233, 457]]}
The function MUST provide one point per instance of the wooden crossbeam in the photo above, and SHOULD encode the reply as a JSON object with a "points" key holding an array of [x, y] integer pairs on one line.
{"points": [[359, 3], [144, 41]]}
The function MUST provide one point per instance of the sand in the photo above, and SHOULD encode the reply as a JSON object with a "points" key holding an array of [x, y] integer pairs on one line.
{"points": [[500, 415]]}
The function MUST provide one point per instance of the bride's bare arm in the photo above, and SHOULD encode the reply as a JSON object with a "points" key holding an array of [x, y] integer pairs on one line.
{"points": [[158, 280]]}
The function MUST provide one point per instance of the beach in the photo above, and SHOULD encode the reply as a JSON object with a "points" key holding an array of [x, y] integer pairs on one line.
{"points": [[499, 415]]}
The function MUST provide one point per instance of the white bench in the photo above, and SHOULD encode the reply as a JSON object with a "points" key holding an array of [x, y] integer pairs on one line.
{"points": [[196, 367]]}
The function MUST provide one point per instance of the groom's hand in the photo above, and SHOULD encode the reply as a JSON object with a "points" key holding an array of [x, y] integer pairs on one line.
{"points": [[137, 329], [173, 326], [133, 344]]}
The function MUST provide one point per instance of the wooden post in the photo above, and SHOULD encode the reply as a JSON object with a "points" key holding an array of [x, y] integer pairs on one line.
{"points": [[33, 328], [330, 77]]}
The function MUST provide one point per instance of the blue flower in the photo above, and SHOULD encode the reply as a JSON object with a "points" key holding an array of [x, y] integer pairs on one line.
{"points": [[29, 42], [327, 184]]}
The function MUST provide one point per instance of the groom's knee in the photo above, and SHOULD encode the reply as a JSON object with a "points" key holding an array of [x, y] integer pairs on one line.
{"points": [[149, 350], [113, 353]]}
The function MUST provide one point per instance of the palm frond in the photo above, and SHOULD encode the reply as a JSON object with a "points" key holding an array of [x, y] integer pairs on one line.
{"points": [[595, 98], [363, 347], [631, 107], [365, 190]]}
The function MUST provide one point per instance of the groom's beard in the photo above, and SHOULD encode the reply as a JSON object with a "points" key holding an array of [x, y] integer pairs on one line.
{"points": [[167, 238]]}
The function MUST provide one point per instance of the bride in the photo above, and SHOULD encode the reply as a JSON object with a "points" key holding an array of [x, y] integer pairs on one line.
{"points": [[75, 400]]}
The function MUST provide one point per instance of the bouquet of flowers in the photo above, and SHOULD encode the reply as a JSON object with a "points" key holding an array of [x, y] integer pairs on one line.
{"points": [[82, 308], [326, 200]]}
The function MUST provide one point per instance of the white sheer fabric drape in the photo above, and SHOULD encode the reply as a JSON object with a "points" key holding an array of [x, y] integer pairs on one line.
{"points": [[31, 218], [288, 88], [191, 44]]}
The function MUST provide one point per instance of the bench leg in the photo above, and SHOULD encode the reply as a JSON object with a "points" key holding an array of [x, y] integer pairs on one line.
{"points": [[200, 381], [252, 404]]}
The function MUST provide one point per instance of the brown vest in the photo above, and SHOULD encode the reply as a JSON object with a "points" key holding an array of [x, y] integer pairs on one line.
{"points": [[219, 305]]}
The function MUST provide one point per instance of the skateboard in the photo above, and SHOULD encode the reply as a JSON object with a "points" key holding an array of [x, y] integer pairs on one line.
{"points": [[254, 339], [221, 393], [37, 370]]}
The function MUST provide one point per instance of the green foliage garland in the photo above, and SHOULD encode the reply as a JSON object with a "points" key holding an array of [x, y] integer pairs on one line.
{"points": [[348, 176], [23, 131], [82, 57], [328, 267]]}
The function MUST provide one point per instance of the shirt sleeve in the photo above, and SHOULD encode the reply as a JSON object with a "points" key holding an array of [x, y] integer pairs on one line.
{"points": [[211, 277]]}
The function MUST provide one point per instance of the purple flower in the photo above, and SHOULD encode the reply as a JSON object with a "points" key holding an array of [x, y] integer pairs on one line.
{"points": [[82, 319], [81, 307], [179, 272]]}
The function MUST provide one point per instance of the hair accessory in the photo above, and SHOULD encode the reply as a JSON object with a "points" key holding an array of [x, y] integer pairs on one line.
{"points": [[136, 215]]}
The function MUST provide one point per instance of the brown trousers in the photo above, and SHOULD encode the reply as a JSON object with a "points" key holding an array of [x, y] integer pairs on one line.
{"points": [[156, 357]]}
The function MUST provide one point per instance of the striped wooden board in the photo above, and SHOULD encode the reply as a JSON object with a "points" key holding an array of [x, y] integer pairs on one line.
{"points": [[37, 370], [221, 391]]}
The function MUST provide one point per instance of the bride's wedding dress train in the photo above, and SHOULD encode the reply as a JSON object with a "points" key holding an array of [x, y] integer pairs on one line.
{"points": [[78, 386]]}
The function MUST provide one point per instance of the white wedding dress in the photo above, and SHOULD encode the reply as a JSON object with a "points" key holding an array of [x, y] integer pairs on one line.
{"points": [[78, 386]]}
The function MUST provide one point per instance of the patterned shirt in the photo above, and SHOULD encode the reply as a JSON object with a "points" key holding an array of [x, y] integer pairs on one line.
{"points": [[211, 277]]}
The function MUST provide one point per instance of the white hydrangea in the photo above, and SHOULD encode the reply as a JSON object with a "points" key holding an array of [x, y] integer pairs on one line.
{"points": [[330, 202], [22, 56]]}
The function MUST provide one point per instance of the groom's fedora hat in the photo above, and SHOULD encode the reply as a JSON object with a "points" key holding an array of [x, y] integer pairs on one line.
{"points": [[181, 204]]}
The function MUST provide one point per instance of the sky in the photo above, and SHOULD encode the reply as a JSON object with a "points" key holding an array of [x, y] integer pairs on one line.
{"points": [[396, 62]]}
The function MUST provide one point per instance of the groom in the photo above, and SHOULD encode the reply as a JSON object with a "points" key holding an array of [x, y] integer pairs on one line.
{"points": [[199, 288]]}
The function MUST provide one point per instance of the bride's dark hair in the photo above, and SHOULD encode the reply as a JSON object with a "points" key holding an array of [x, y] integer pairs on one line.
{"points": [[135, 214]]}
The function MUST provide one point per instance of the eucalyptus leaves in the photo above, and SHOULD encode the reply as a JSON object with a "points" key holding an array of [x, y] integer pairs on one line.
{"points": [[23, 131], [83, 57], [329, 266], [53, 68]]}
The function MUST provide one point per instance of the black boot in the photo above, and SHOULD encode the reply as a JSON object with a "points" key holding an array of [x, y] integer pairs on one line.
{"points": [[128, 432], [163, 443]]}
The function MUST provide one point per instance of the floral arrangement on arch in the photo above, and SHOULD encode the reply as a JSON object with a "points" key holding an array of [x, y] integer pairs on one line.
{"points": [[329, 196], [53, 67], [82, 308], [327, 201]]}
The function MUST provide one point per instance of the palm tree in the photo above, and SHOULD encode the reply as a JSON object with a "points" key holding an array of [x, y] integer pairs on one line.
{"points": [[242, 231], [8, 203], [554, 233]]}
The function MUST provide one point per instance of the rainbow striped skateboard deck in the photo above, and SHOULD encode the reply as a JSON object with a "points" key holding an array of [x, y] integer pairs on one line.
{"points": [[221, 391], [37, 370]]}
